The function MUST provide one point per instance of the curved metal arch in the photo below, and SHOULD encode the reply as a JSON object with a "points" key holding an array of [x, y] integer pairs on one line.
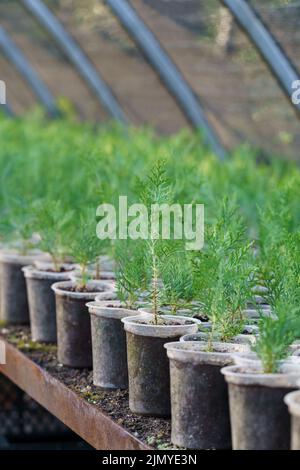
{"points": [[280, 65], [77, 57], [21, 63], [167, 70]]}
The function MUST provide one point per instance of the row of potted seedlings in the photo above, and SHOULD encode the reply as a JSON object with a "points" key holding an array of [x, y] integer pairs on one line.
{"points": [[172, 325]]}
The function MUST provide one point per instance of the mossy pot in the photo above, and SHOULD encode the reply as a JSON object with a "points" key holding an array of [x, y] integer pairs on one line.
{"points": [[13, 294], [41, 301], [74, 341], [109, 343], [199, 398], [148, 365], [259, 418]]}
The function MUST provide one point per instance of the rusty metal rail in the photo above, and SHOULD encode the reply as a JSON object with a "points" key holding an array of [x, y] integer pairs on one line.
{"points": [[90, 423]]}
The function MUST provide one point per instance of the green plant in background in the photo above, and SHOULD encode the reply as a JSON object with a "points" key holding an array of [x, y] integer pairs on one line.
{"points": [[278, 330], [276, 334], [223, 274], [51, 223], [84, 245], [177, 281], [156, 190], [132, 276]]}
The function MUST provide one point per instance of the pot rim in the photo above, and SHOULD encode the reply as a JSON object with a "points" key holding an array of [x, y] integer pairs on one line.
{"points": [[58, 288], [238, 339], [33, 272], [14, 257], [292, 400], [164, 310], [253, 377], [252, 313], [132, 325], [194, 352], [102, 310], [107, 275]]}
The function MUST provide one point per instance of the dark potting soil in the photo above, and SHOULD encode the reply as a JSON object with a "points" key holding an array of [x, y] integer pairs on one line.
{"points": [[155, 432], [162, 322], [84, 290], [60, 271]]}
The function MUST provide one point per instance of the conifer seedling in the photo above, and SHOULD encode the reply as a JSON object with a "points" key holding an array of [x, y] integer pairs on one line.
{"points": [[84, 245], [51, 223], [223, 274]]}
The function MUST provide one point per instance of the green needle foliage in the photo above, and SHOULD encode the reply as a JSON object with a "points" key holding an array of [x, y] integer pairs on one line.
{"points": [[84, 245], [278, 331], [132, 276], [177, 280], [223, 274], [276, 334], [51, 222], [156, 190]]}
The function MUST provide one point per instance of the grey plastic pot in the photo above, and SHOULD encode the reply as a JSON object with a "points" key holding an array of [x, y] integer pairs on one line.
{"points": [[74, 344], [202, 336], [148, 365], [41, 301], [109, 343], [199, 398], [292, 400], [254, 313], [13, 294], [259, 417]]}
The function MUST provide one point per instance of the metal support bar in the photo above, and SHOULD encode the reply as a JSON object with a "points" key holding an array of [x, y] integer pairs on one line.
{"points": [[17, 58], [167, 70], [84, 418], [280, 65], [77, 57]]}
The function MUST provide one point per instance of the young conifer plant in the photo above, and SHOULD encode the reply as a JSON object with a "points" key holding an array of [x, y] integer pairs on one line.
{"points": [[84, 245], [278, 330], [223, 273], [51, 223]]}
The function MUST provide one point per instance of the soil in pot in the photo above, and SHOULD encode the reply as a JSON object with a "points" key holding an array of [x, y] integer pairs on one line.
{"points": [[41, 300], [109, 343], [74, 344], [148, 365], [13, 295], [259, 417], [292, 400], [199, 398]]}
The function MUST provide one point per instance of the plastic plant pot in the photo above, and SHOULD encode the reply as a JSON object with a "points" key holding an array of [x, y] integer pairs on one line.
{"points": [[41, 301], [13, 295], [148, 365], [109, 343], [254, 313], [292, 400], [259, 417], [74, 344], [199, 398]]}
